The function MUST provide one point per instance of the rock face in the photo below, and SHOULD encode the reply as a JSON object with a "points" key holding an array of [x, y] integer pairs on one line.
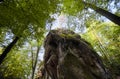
{"points": [[68, 56]]}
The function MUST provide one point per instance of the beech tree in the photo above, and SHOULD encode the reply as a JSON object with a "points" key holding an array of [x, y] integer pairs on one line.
{"points": [[75, 6], [24, 18]]}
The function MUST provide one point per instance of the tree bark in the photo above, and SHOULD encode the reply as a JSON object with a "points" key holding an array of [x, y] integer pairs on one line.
{"points": [[7, 50], [114, 18]]}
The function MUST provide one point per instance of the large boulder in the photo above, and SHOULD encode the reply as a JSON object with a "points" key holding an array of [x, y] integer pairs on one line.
{"points": [[68, 56]]}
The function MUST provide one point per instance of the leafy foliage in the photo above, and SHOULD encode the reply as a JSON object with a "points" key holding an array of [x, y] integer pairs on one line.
{"points": [[19, 15], [105, 39], [17, 65], [27, 19], [73, 6]]}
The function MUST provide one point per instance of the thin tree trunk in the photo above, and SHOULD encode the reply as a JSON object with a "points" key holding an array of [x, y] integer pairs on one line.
{"points": [[34, 64], [114, 18], [9, 47]]}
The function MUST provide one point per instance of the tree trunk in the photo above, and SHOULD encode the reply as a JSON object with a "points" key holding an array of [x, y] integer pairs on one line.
{"points": [[114, 18], [9, 47], [35, 63], [68, 56]]}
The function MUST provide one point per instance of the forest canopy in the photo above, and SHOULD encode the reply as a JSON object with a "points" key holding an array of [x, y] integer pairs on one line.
{"points": [[25, 23]]}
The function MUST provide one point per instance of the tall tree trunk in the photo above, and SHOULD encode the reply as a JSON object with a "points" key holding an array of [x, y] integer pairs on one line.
{"points": [[9, 47], [114, 18], [34, 64]]}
